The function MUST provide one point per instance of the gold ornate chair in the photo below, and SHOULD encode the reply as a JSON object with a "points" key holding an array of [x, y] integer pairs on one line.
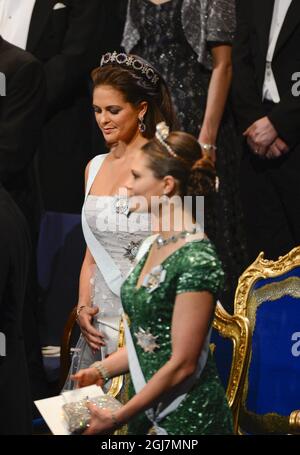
{"points": [[65, 347], [236, 328], [268, 295]]}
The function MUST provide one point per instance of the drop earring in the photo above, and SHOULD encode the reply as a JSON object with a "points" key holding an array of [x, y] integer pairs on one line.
{"points": [[142, 126]]}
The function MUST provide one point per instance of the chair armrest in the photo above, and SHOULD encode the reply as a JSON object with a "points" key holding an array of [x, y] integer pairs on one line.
{"points": [[65, 361], [294, 422]]}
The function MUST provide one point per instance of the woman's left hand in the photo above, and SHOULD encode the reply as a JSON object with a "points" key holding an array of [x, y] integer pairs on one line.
{"points": [[101, 421]]}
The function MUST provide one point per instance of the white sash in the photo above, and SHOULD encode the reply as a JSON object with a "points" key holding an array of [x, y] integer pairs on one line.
{"points": [[110, 271], [174, 398]]}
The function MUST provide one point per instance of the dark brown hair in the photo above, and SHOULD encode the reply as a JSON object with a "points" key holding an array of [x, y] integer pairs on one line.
{"points": [[135, 88], [194, 172]]}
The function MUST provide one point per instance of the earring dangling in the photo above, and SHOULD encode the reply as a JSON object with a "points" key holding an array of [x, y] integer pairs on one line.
{"points": [[142, 126]]}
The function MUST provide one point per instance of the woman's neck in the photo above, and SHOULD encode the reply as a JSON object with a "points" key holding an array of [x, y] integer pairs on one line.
{"points": [[173, 218], [123, 149], [159, 2]]}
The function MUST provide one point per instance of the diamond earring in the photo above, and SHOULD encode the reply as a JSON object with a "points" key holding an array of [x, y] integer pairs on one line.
{"points": [[142, 126]]}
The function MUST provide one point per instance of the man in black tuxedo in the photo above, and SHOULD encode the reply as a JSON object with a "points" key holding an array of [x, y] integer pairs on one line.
{"points": [[266, 58], [21, 118], [65, 37], [15, 397]]}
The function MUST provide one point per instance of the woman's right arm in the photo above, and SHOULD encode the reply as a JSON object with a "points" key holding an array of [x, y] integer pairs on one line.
{"points": [[85, 311]]}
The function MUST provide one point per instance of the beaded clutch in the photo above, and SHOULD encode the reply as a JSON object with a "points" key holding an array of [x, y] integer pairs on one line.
{"points": [[77, 414]]}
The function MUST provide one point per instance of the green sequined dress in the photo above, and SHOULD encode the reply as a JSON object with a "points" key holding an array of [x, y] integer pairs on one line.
{"points": [[193, 267]]}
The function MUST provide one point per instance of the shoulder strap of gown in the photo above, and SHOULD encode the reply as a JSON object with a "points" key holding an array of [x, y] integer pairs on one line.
{"points": [[94, 168]]}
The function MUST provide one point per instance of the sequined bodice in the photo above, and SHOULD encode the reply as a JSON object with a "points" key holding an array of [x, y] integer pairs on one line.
{"points": [[153, 310], [119, 235], [161, 25], [163, 43]]}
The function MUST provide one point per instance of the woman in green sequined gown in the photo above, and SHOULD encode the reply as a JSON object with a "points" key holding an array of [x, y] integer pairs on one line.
{"points": [[169, 298], [194, 267]]}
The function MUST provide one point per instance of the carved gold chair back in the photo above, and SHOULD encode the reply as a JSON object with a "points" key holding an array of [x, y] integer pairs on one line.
{"points": [[236, 328], [268, 294]]}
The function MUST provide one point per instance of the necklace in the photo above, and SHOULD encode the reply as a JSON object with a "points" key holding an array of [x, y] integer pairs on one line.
{"points": [[160, 241]]}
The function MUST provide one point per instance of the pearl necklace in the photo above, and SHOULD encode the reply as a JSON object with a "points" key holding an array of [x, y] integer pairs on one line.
{"points": [[160, 241]]}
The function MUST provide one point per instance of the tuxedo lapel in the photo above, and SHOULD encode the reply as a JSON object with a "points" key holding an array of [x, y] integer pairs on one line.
{"points": [[292, 19], [41, 11], [263, 13]]}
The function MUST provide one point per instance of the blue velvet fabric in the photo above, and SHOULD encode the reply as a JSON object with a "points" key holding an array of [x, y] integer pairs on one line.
{"points": [[61, 250], [275, 364], [223, 356]]}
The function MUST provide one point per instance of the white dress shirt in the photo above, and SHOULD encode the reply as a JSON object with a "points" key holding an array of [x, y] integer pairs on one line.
{"points": [[270, 91], [15, 17]]}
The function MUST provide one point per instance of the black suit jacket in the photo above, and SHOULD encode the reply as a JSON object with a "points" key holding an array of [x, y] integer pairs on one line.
{"points": [[67, 42], [15, 399], [114, 14], [254, 19], [21, 120]]}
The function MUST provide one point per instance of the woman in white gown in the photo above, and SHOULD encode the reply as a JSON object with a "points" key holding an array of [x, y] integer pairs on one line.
{"points": [[129, 98]]}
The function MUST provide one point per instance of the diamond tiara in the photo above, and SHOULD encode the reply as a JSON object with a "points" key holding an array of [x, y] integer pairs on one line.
{"points": [[130, 61]]}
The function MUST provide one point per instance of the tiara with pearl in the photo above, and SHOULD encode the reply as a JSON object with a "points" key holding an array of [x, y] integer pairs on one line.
{"points": [[130, 61], [161, 134]]}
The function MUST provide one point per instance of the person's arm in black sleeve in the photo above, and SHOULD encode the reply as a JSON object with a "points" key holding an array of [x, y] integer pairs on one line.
{"points": [[285, 117], [21, 117], [247, 98]]}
